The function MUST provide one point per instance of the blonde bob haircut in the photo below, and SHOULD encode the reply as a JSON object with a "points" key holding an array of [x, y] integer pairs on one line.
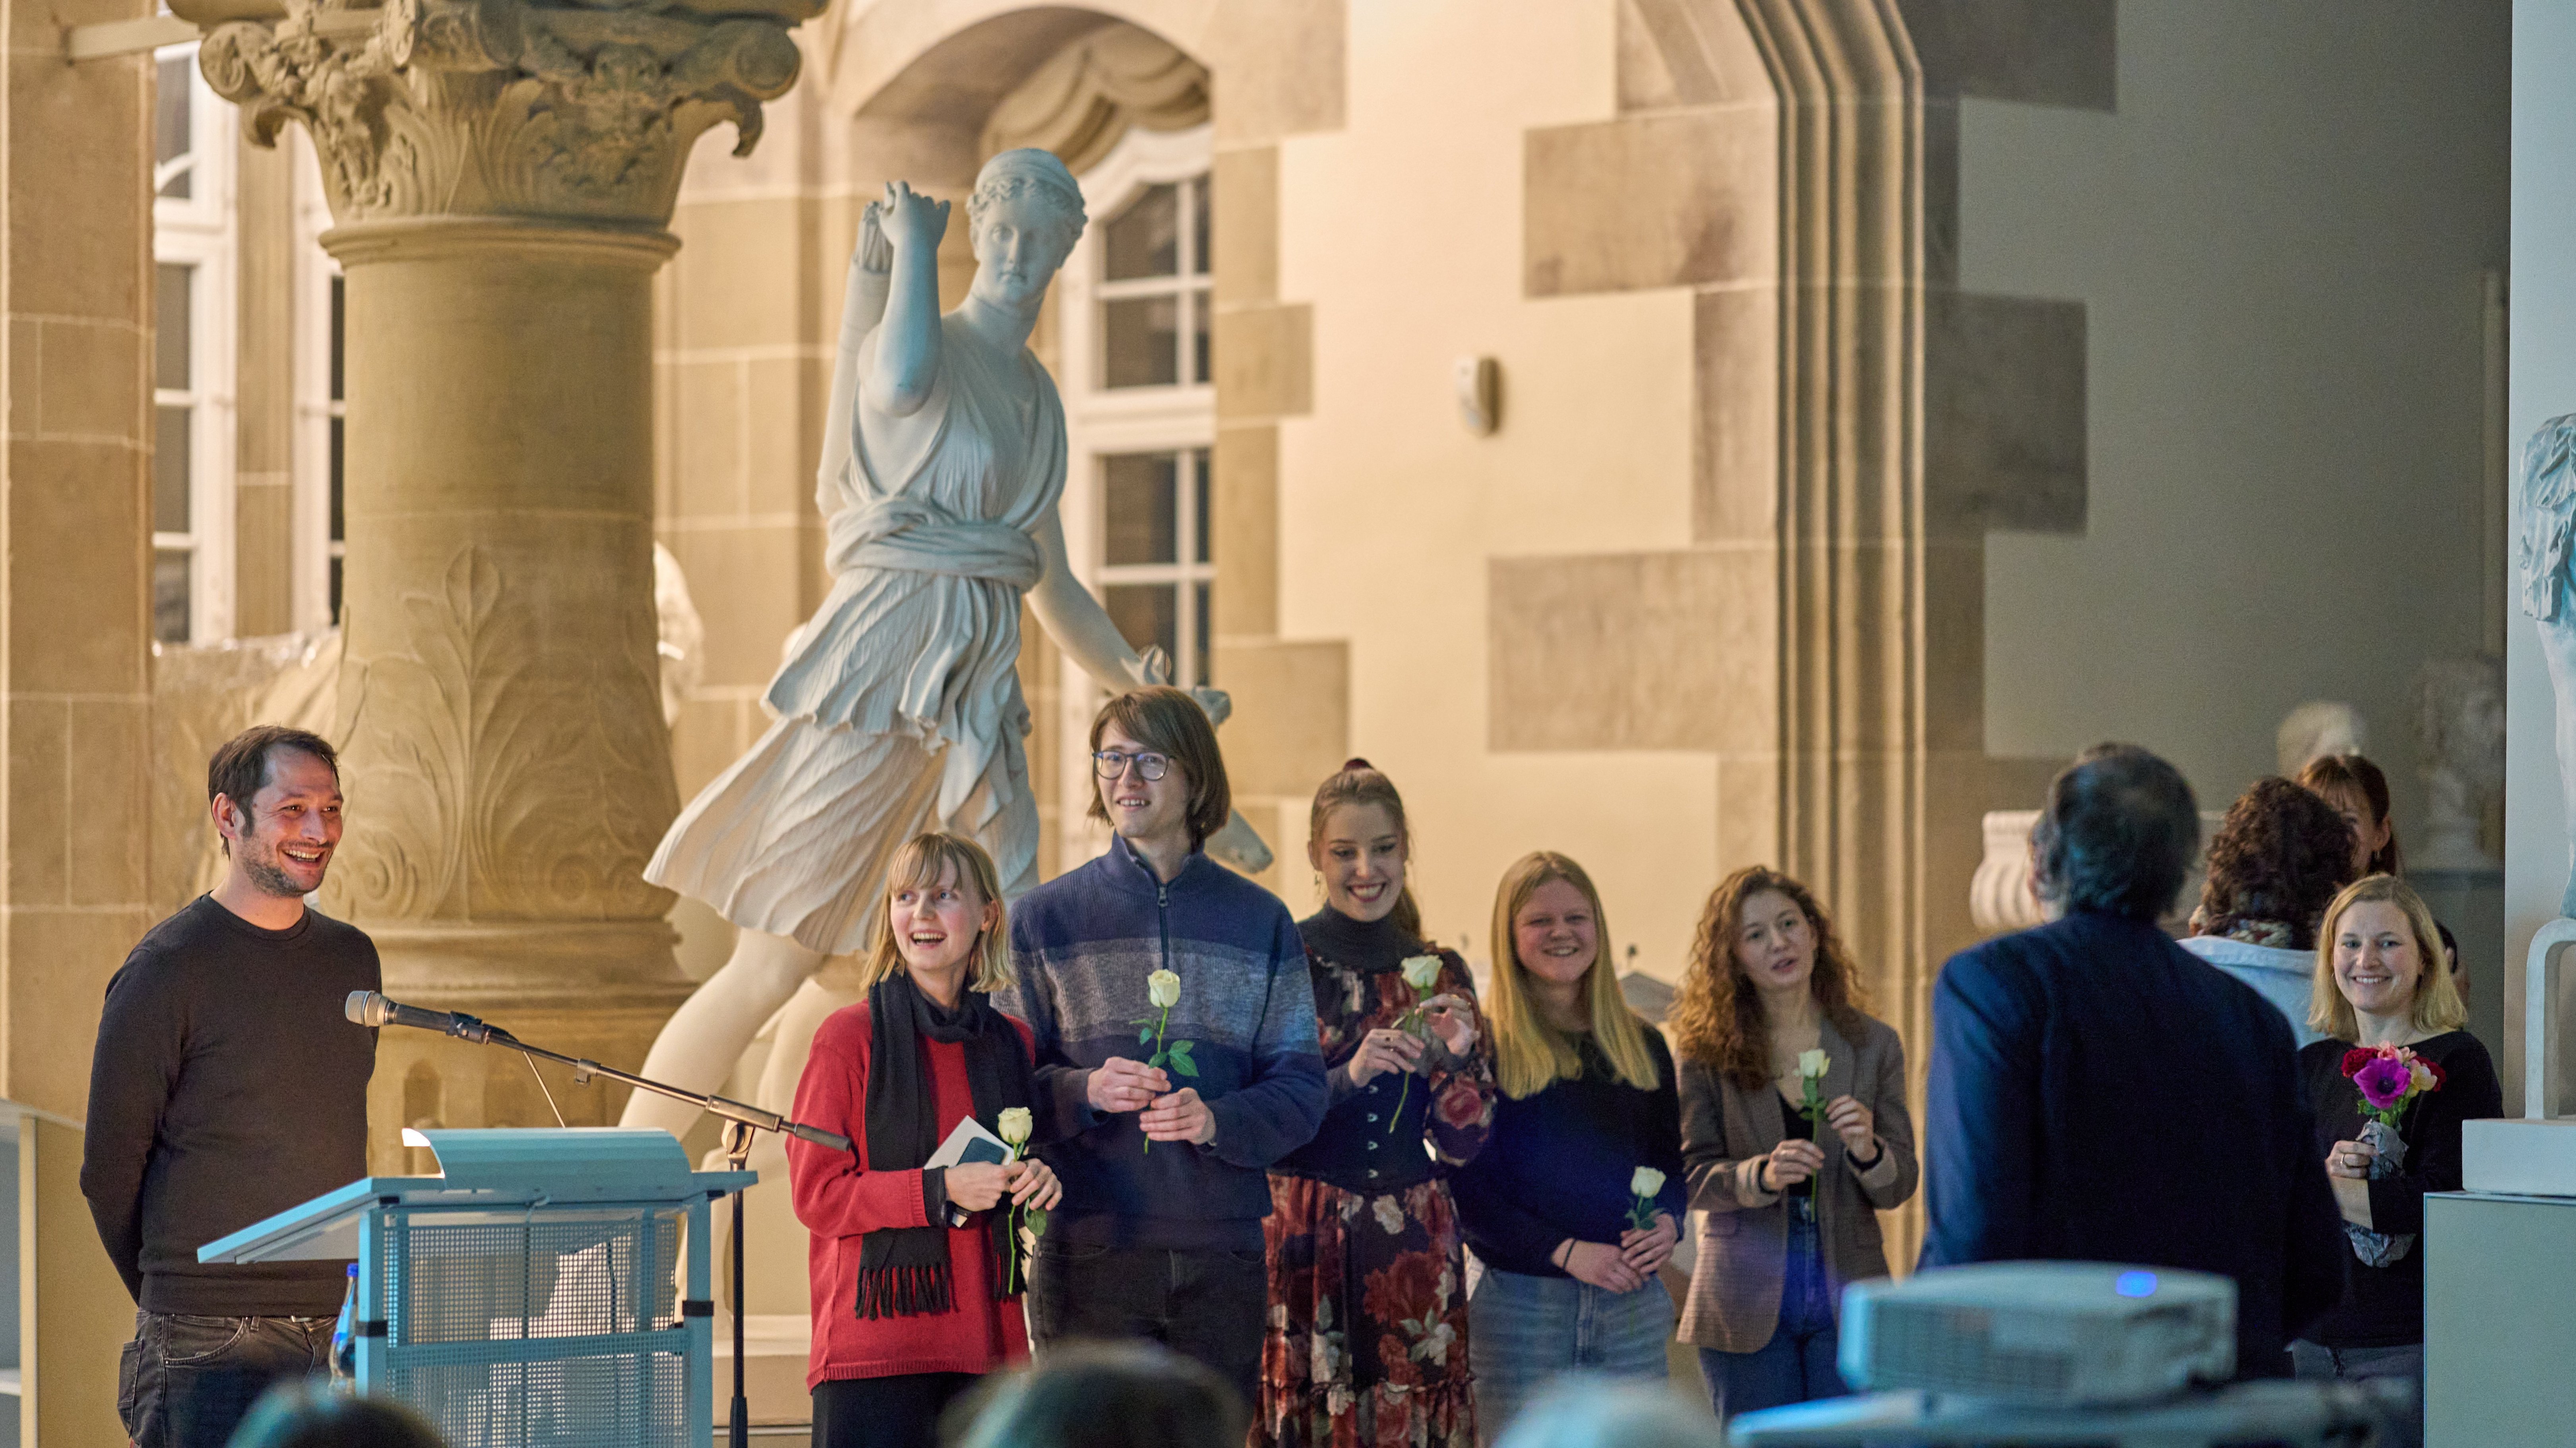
{"points": [[923, 862], [1529, 1054], [2437, 1005]]}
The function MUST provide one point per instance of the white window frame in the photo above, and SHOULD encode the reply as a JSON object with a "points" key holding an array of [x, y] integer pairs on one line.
{"points": [[203, 231], [314, 271], [1100, 421]]}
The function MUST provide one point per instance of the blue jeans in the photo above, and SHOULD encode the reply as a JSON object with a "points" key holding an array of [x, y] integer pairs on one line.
{"points": [[187, 1381], [1523, 1331], [1797, 1364], [2360, 1364]]}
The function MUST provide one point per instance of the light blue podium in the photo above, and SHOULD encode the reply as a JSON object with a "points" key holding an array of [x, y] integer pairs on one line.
{"points": [[529, 1294]]}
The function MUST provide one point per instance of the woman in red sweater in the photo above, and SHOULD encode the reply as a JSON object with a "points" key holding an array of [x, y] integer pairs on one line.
{"points": [[910, 1308]]}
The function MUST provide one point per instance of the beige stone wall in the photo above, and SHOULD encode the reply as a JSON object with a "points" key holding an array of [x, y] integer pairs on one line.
{"points": [[75, 268]]}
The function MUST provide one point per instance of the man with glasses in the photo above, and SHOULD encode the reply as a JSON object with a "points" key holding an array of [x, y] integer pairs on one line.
{"points": [[1165, 1170]]}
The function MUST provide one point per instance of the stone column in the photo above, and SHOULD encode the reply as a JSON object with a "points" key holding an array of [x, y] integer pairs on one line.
{"points": [[500, 174]]}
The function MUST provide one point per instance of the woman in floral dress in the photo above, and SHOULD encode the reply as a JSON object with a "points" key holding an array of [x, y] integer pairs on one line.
{"points": [[1368, 1296]]}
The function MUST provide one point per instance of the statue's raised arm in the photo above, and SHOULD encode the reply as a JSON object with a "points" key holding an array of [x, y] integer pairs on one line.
{"points": [[898, 705]]}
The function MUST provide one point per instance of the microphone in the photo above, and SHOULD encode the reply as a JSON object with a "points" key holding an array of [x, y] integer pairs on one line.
{"points": [[370, 1008]]}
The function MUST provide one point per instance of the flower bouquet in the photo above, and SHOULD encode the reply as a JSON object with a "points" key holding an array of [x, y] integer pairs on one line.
{"points": [[1421, 973], [2389, 1079]]}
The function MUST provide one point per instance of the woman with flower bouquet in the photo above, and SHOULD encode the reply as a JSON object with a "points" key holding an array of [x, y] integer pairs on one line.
{"points": [[1795, 1137], [912, 1300], [1367, 1333], [2391, 1082]]}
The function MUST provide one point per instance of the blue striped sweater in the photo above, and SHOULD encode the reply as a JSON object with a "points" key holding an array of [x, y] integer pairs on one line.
{"points": [[1081, 947]]}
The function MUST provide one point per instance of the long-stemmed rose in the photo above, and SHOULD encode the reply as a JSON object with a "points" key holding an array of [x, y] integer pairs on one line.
{"points": [[1811, 1083], [1162, 992], [1421, 973], [1013, 1126], [1644, 1184]]}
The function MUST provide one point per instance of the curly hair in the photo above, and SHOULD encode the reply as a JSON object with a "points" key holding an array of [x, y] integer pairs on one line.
{"points": [[2281, 854], [1715, 1020]]}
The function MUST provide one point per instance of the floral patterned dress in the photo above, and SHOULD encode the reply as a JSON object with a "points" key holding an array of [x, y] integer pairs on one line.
{"points": [[1367, 1343]]}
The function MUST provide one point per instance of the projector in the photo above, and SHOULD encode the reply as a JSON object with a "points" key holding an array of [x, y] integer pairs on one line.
{"points": [[2046, 1334]]}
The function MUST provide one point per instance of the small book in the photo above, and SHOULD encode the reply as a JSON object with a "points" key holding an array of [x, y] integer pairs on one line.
{"points": [[969, 1144]]}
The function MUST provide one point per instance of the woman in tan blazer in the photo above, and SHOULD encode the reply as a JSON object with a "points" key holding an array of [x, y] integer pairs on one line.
{"points": [[1789, 1206]]}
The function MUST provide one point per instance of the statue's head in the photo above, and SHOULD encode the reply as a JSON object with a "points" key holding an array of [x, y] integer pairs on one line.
{"points": [[1023, 219]]}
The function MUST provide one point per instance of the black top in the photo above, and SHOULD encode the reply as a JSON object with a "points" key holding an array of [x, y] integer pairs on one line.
{"points": [[2100, 1094], [1795, 1125], [1561, 1160], [226, 1088], [2384, 1306], [1374, 1138]]}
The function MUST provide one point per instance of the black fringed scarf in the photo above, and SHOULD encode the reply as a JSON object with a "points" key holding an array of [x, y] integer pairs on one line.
{"points": [[903, 1271]]}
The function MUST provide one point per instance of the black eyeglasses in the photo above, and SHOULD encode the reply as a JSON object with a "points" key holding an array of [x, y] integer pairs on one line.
{"points": [[1111, 763]]}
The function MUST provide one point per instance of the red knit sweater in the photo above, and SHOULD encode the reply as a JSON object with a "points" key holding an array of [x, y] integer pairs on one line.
{"points": [[839, 1199]]}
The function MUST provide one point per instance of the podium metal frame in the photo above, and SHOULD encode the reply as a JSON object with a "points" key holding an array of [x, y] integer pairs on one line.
{"points": [[605, 1222]]}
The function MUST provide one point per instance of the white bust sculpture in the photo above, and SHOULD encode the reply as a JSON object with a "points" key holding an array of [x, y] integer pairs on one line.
{"points": [[2459, 734], [2316, 728], [2544, 515], [898, 706]]}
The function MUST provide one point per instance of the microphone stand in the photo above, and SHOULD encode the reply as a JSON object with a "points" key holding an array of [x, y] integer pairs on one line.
{"points": [[740, 1121]]}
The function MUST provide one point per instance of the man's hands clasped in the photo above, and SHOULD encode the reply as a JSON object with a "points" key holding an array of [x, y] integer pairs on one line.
{"points": [[1120, 1085]]}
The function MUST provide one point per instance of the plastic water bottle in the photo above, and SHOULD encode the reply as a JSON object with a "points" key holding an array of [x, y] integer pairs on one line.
{"points": [[344, 1336]]}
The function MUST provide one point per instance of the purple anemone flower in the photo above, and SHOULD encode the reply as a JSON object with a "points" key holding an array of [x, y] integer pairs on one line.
{"points": [[2384, 1082]]}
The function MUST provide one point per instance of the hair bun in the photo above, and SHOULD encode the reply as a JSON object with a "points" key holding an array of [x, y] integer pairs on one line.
{"points": [[1355, 762]]}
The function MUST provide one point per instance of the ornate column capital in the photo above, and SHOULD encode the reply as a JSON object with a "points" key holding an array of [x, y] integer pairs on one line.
{"points": [[501, 108]]}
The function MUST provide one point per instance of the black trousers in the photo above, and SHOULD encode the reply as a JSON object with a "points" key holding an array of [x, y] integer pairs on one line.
{"points": [[186, 1381], [1207, 1306], [897, 1412]]}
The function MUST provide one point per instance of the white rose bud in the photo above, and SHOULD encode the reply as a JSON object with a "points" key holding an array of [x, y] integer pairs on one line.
{"points": [[1811, 1064], [1014, 1125], [1421, 972], [1646, 1183], [1163, 988]]}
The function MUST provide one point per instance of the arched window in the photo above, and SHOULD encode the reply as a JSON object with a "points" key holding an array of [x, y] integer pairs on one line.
{"points": [[1140, 414], [195, 237]]}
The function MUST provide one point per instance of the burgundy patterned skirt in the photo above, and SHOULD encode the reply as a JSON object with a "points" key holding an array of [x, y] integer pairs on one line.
{"points": [[1367, 1342]]}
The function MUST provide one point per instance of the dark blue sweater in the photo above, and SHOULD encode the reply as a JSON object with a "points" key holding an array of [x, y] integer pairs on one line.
{"points": [[1081, 947], [1559, 1163], [2099, 1094]]}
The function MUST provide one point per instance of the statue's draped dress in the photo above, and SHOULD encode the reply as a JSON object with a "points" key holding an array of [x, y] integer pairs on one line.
{"points": [[898, 706]]}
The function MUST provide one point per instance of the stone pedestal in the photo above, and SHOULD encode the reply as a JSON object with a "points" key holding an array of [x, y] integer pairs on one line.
{"points": [[501, 174]]}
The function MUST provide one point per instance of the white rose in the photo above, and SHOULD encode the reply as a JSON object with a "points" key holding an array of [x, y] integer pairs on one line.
{"points": [[1163, 988], [1421, 972], [1811, 1064], [1014, 1125], [1646, 1183]]}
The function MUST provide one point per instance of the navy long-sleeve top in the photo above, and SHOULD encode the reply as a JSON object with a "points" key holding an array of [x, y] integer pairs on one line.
{"points": [[2384, 1306], [1082, 945], [2099, 1094], [1559, 1163]]}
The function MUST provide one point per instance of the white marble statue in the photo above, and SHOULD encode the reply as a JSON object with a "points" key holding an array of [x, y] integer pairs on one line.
{"points": [[2544, 515], [2316, 728], [898, 708], [2459, 735]]}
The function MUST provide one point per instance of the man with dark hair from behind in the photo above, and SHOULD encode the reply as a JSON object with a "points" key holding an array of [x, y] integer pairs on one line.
{"points": [[2099, 1094], [226, 1088]]}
